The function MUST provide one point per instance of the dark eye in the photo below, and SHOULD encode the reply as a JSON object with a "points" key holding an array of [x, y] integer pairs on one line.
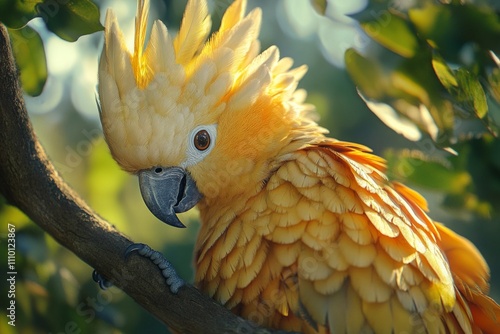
{"points": [[202, 140]]}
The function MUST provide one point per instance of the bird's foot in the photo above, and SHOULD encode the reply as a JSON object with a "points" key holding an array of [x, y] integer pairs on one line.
{"points": [[99, 279], [167, 270]]}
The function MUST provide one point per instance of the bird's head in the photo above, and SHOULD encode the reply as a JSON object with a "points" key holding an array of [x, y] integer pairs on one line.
{"points": [[195, 118]]}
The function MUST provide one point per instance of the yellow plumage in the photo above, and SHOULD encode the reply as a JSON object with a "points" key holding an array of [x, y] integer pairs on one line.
{"points": [[299, 231]]}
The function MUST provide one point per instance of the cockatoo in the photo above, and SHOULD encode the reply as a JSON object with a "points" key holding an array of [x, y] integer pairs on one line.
{"points": [[298, 231]]}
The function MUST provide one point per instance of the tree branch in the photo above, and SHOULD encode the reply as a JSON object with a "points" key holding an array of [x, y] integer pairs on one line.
{"points": [[29, 181]]}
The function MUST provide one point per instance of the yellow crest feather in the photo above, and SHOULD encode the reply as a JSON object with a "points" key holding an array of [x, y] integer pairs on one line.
{"points": [[142, 73], [168, 85]]}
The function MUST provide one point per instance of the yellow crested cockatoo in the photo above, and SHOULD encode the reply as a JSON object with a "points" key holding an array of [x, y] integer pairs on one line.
{"points": [[298, 231]]}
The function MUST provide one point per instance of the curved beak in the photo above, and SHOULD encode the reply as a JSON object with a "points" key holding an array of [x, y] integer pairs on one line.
{"points": [[167, 191]]}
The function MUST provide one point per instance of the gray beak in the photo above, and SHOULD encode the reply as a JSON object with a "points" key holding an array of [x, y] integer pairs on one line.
{"points": [[167, 191]]}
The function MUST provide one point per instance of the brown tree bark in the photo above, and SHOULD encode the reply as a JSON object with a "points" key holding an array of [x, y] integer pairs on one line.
{"points": [[29, 181]]}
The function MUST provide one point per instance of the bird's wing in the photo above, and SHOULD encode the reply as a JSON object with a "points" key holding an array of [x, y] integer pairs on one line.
{"points": [[367, 255]]}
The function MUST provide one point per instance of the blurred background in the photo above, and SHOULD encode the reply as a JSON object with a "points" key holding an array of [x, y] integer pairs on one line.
{"points": [[55, 292]]}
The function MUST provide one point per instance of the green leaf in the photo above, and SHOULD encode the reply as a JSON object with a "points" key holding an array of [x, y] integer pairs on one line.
{"points": [[393, 32], [479, 24], [436, 24], [410, 88], [494, 81], [30, 58], [366, 74], [416, 167], [71, 19], [469, 180], [319, 6], [463, 86], [16, 13], [471, 93], [444, 73], [448, 27]]}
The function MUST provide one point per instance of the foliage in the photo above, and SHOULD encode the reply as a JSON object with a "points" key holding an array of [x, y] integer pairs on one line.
{"points": [[67, 19], [433, 76], [30, 56], [443, 64], [469, 180]]}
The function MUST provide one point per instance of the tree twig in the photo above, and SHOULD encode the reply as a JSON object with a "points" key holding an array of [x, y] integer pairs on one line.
{"points": [[29, 181]]}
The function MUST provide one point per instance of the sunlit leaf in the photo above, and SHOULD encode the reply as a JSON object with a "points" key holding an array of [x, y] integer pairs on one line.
{"points": [[416, 77], [411, 89], [16, 13], [410, 85], [71, 19], [419, 115], [394, 33], [444, 73], [393, 119], [30, 58]]}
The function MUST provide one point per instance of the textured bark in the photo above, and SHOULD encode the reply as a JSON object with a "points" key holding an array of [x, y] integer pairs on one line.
{"points": [[29, 181]]}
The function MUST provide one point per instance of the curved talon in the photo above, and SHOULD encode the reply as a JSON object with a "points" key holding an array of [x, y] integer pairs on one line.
{"points": [[167, 270], [99, 279], [135, 247], [96, 276]]}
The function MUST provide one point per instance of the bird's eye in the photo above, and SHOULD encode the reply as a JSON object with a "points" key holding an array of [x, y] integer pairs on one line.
{"points": [[202, 140]]}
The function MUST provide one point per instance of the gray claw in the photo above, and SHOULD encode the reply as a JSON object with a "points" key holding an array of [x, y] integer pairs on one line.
{"points": [[99, 279], [167, 270]]}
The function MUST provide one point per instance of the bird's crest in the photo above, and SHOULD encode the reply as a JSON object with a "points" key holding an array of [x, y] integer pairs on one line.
{"points": [[183, 80]]}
